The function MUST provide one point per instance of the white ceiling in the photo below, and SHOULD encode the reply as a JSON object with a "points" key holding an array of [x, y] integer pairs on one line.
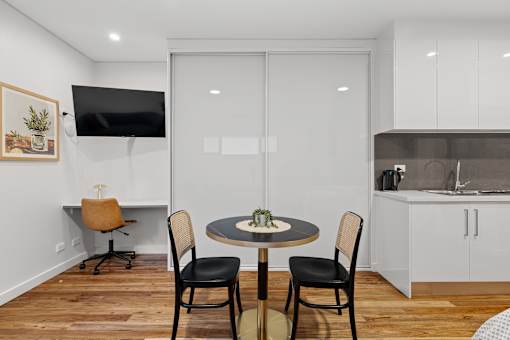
{"points": [[144, 25]]}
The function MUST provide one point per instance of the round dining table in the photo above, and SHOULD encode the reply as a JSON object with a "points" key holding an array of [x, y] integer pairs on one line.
{"points": [[262, 323]]}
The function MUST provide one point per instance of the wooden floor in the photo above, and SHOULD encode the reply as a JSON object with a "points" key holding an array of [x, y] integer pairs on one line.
{"points": [[137, 304]]}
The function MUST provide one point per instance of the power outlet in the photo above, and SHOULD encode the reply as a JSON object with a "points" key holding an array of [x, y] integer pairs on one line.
{"points": [[60, 247], [401, 166], [75, 241]]}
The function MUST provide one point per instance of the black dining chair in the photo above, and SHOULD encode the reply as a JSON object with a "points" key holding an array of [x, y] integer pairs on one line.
{"points": [[328, 274], [207, 272]]}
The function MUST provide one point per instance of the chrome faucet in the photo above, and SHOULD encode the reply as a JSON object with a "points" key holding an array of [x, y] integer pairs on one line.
{"points": [[459, 186]]}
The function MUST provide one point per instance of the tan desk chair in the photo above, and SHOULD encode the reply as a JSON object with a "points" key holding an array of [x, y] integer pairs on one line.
{"points": [[105, 216]]}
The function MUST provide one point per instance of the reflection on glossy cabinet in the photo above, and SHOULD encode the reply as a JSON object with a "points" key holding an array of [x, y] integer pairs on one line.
{"points": [[415, 85], [490, 243], [494, 88], [440, 243], [457, 84]]}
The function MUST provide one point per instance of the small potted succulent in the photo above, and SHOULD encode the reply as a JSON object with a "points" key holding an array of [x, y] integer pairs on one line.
{"points": [[39, 124], [262, 218]]}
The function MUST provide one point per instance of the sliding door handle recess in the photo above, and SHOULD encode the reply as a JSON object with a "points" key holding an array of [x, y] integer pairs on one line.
{"points": [[466, 221], [476, 223]]}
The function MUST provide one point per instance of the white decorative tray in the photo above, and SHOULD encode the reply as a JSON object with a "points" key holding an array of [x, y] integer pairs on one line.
{"points": [[280, 226]]}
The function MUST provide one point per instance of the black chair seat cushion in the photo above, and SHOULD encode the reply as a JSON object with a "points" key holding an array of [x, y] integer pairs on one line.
{"points": [[211, 272], [318, 272]]}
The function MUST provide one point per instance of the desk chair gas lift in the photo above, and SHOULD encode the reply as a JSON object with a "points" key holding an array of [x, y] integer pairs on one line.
{"points": [[105, 216], [207, 272], [328, 274]]}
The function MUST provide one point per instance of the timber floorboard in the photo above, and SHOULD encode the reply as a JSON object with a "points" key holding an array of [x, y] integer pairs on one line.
{"points": [[122, 304]]}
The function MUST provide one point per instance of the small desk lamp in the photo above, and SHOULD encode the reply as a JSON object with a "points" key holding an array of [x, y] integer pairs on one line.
{"points": [[99, 188]]}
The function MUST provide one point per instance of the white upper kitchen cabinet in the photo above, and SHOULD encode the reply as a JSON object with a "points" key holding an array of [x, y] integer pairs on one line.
{"points": [[415, 84], [490, 243], [443, 85], [494, 87], [457, 98]]}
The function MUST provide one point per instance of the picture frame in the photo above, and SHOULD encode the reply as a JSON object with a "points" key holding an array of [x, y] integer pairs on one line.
{"points": [[29, 125]]}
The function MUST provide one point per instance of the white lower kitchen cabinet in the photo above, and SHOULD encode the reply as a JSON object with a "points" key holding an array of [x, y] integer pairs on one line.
{"points": [[489, 247], [437, 240]]}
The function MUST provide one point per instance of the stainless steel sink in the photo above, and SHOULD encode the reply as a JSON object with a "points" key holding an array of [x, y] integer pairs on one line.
{"points": [[454, 193], [469, 192]]}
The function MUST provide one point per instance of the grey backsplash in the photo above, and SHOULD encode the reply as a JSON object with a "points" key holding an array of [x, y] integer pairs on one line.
{"points": [[431, 159]]}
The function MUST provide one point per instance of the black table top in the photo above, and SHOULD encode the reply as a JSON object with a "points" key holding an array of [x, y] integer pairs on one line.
{"points": [[225, 231]]}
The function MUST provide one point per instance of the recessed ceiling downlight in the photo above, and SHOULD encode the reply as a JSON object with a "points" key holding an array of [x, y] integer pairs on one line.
{"points": [[114, 36], [342, 89], [432, 54], [214, 91]]}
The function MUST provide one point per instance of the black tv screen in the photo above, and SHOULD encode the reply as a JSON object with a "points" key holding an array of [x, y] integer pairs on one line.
{"points": [[101, 111]]}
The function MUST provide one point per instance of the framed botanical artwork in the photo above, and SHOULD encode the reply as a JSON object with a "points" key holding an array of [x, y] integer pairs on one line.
{"points": [[29, 125]]}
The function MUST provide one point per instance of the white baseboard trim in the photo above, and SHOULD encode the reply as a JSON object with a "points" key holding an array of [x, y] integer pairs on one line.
{"points": [[26, 285]]}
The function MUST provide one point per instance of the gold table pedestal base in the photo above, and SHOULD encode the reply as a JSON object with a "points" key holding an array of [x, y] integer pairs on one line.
{"points": [[279, 326]]}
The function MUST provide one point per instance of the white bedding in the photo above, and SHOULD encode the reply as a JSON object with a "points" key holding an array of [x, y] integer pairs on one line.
{"points": [[496, 328]]}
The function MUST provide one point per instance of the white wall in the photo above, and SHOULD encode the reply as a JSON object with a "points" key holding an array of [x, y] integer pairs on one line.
{"points": [[134, 169], [31, 193]]}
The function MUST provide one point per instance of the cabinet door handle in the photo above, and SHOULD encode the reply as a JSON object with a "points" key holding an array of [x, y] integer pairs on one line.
{"points": [[476, 222], [466, 225]]}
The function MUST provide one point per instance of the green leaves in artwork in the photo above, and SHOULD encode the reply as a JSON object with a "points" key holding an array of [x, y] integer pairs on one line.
{"points": [[37, 122], [14, 134]]}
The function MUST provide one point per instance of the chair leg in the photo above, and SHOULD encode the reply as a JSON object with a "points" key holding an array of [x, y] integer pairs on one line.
{"points": [[177, 309], [123, 258], [96, 268], [289, 296], [191, 295], [352, 318], [296, 312], [120, 257], [238, 298], [95, 257], [232, 311], [337, 296], [131, 253]]}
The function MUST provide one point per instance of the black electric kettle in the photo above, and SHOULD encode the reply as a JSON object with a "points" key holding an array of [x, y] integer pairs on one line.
{"points": [[391, 179]]}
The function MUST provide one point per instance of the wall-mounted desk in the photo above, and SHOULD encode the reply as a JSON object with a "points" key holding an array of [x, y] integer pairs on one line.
{"points": [[148, 236], [126, 205]]}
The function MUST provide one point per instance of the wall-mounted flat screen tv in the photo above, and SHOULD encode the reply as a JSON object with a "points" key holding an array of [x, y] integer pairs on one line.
{"points": [[101, 111]]}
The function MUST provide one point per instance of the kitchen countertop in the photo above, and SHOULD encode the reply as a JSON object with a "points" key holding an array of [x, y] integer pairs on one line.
{"points": [[426, 197]]}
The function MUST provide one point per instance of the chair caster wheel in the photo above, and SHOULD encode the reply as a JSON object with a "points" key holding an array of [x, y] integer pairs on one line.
{"points": [[128, 266], [82, 265], [96, 272]]}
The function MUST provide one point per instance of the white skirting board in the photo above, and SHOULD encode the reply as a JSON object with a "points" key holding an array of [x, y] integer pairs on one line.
{"points": [[25, 286]]}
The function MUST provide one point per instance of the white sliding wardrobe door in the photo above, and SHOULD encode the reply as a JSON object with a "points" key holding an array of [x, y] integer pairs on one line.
{"points": [[319, 144], [218, 163]]}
